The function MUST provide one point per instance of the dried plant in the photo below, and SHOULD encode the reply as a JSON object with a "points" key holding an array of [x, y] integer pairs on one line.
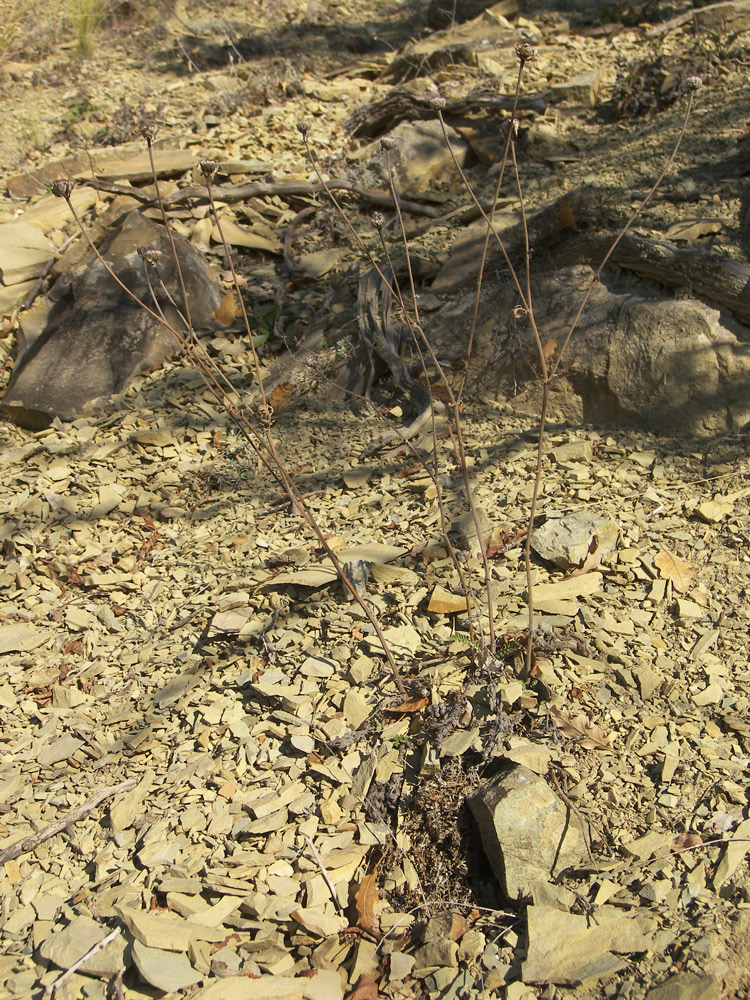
{"points": [[86, 17]]}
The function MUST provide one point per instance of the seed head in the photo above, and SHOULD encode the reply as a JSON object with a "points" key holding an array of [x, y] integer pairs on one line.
{"points": [[525, 52], [208, 167], [149, 131], [63, 188], [387, 143], [437, 103], [511, 125], [378, 220], [694, 83], [150, 254], [303, 128]]}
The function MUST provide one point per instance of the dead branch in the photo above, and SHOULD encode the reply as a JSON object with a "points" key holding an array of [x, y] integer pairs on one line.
{"points": [[74, 816], [258, 189]]}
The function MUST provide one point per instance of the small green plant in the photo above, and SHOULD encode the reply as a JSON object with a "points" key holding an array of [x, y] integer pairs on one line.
{"points": [[86, 18]]}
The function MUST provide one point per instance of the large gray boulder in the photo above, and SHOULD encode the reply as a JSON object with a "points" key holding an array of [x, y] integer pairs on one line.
{"points": [[96, 338], [639, 357]]}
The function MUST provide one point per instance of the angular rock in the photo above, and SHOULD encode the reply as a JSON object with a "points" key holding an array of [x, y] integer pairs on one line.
{"points": [[65, 947], [527, 833], [157, 929], [567, 540], [325, 985], [319, 923], [442, 15], [96, 337], [166, 970], [421, 157], [685, 986], [567, 949], [441, 954], [581, 89], [638, 358]]}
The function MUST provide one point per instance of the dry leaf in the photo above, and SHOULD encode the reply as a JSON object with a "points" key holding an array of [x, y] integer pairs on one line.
{"points": [[280, 396], [549, 348], [365, 900], [685, 840], [410, 705], [366, 989], [585, 733], [566, 214], [593, 558], [226, 312], [673, 567]]}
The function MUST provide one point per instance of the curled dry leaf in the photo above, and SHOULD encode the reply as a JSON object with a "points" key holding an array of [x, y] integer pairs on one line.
{"points": [[226, 312], [673, 567], [365, 900], [366, 989], [580, 729], [410, 706], [684, 841]]}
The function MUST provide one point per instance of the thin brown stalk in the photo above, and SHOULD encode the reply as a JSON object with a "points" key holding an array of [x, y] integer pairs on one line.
{"points": [[490, 227], [459, 444], [149, 133], [293, 493], [549, 375]]}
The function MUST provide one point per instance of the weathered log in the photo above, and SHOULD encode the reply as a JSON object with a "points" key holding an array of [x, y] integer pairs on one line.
{"points": [[282, 189], [399, 105]]}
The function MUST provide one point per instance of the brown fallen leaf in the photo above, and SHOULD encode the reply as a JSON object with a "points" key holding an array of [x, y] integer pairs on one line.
{"points": [[409, 706], [549, 347], [366, 989], [226, 312], [673, 567], [365, 900], [593, 558], [684, 841], [580, 729]]}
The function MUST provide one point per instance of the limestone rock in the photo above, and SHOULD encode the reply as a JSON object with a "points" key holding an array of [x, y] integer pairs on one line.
{"points": [[65, 947], [527, 833], [96, 337], [639, 357], [567, 540], [685, 986], [325, 985], [421, 157], [568, 949], [166, 970], [442, 15]]}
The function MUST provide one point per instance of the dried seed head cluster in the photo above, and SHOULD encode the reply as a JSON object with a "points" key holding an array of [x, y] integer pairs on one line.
{"points": [[303, 128], [694, 83], [378, 220], [149, 131], [511, 125], [150, 254], [387, 143], [62, 188], [437, 103], [525, 52], [208, 168]]}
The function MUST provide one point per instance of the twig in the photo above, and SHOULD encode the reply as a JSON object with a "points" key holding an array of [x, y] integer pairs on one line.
{"points": [[94, 950], [74, 816], [324, 873]]}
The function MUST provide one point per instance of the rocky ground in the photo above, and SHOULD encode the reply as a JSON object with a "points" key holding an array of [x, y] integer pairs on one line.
{"points": [[241, 795]]}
